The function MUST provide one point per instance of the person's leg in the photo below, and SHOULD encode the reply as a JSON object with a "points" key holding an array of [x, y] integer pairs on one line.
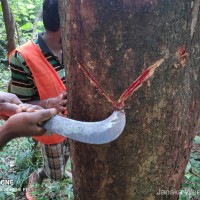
{"points": [[55, 157]]}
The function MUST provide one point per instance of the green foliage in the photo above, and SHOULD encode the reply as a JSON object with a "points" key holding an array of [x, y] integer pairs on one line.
{"points": [[191, 185], [58, 190], [4, 77], [18, 160], [24, 13], [16, 165]]}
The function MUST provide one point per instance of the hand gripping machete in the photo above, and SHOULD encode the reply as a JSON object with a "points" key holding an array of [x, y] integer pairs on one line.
{"points": [[100, 132]]}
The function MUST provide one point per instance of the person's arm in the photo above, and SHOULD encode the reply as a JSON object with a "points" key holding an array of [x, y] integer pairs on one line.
{"points": [[9, 105], [24, 124], [22, 84], [58, 103]]}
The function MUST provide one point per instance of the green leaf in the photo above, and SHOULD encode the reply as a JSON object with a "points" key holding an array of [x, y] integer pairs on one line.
{"points": [[40, 24], [27, 26], [197, 140], [188, 167], [188, 176], [24, 13], [32, 16], [30, 6]]}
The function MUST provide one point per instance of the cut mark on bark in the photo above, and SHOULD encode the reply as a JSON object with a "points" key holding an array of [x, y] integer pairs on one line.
{"points": [[95, 83], [129, 91], [195, 13], [181, 57], [138, 82]]}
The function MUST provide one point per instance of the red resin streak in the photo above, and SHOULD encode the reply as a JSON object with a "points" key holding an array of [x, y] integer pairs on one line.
{"points": [[129, 91], [138, 82], [95, 83]]}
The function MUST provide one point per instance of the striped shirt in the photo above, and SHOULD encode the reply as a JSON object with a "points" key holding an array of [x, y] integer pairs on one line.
{"points": [[22, 81]]}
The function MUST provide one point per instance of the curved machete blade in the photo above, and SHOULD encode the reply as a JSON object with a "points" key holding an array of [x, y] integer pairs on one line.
{"points": [[88, 132]]}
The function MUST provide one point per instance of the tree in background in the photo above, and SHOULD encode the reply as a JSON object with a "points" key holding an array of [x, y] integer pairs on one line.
{"points": [[116, 41], [10, 26], [19, 21]]}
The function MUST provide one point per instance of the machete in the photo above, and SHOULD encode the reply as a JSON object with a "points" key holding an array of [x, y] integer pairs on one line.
{"points": [[100, 132], [103, 131]]}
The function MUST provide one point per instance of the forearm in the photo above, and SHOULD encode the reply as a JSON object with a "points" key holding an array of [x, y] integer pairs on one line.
{"points": [[5, 136]]}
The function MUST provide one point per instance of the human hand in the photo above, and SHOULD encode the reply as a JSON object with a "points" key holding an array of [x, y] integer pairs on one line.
{"points": [[58, 103], [9, 98], [10, 105], [28, 124], [25, 107]]}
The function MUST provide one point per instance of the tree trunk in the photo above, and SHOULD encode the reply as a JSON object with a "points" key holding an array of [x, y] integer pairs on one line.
{"points": [[37, 19], [10, 26], [116, 40]]}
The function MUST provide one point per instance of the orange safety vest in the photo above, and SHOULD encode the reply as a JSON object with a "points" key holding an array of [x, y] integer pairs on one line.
{"points": [[46, 79]]}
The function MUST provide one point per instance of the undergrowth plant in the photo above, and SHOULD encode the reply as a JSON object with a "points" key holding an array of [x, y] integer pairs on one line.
{"points": [[4, 77], [18, 160], [191, 185], [58, 190], [16, 165]]}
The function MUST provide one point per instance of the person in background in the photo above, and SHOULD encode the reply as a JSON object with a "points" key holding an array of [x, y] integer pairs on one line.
{"points": [[22, 119], [38, 77]]}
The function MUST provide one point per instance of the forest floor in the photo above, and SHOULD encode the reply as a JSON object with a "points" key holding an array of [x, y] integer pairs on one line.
{"points": [[19, 158], [191, 185]]}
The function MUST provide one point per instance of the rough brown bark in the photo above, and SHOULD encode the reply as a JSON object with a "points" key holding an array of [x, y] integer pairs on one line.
{"points": [[10, 26], [116, 40]]}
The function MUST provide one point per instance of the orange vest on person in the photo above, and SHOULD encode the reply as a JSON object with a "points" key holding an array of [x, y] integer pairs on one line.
{"points": [[46, 79]]}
